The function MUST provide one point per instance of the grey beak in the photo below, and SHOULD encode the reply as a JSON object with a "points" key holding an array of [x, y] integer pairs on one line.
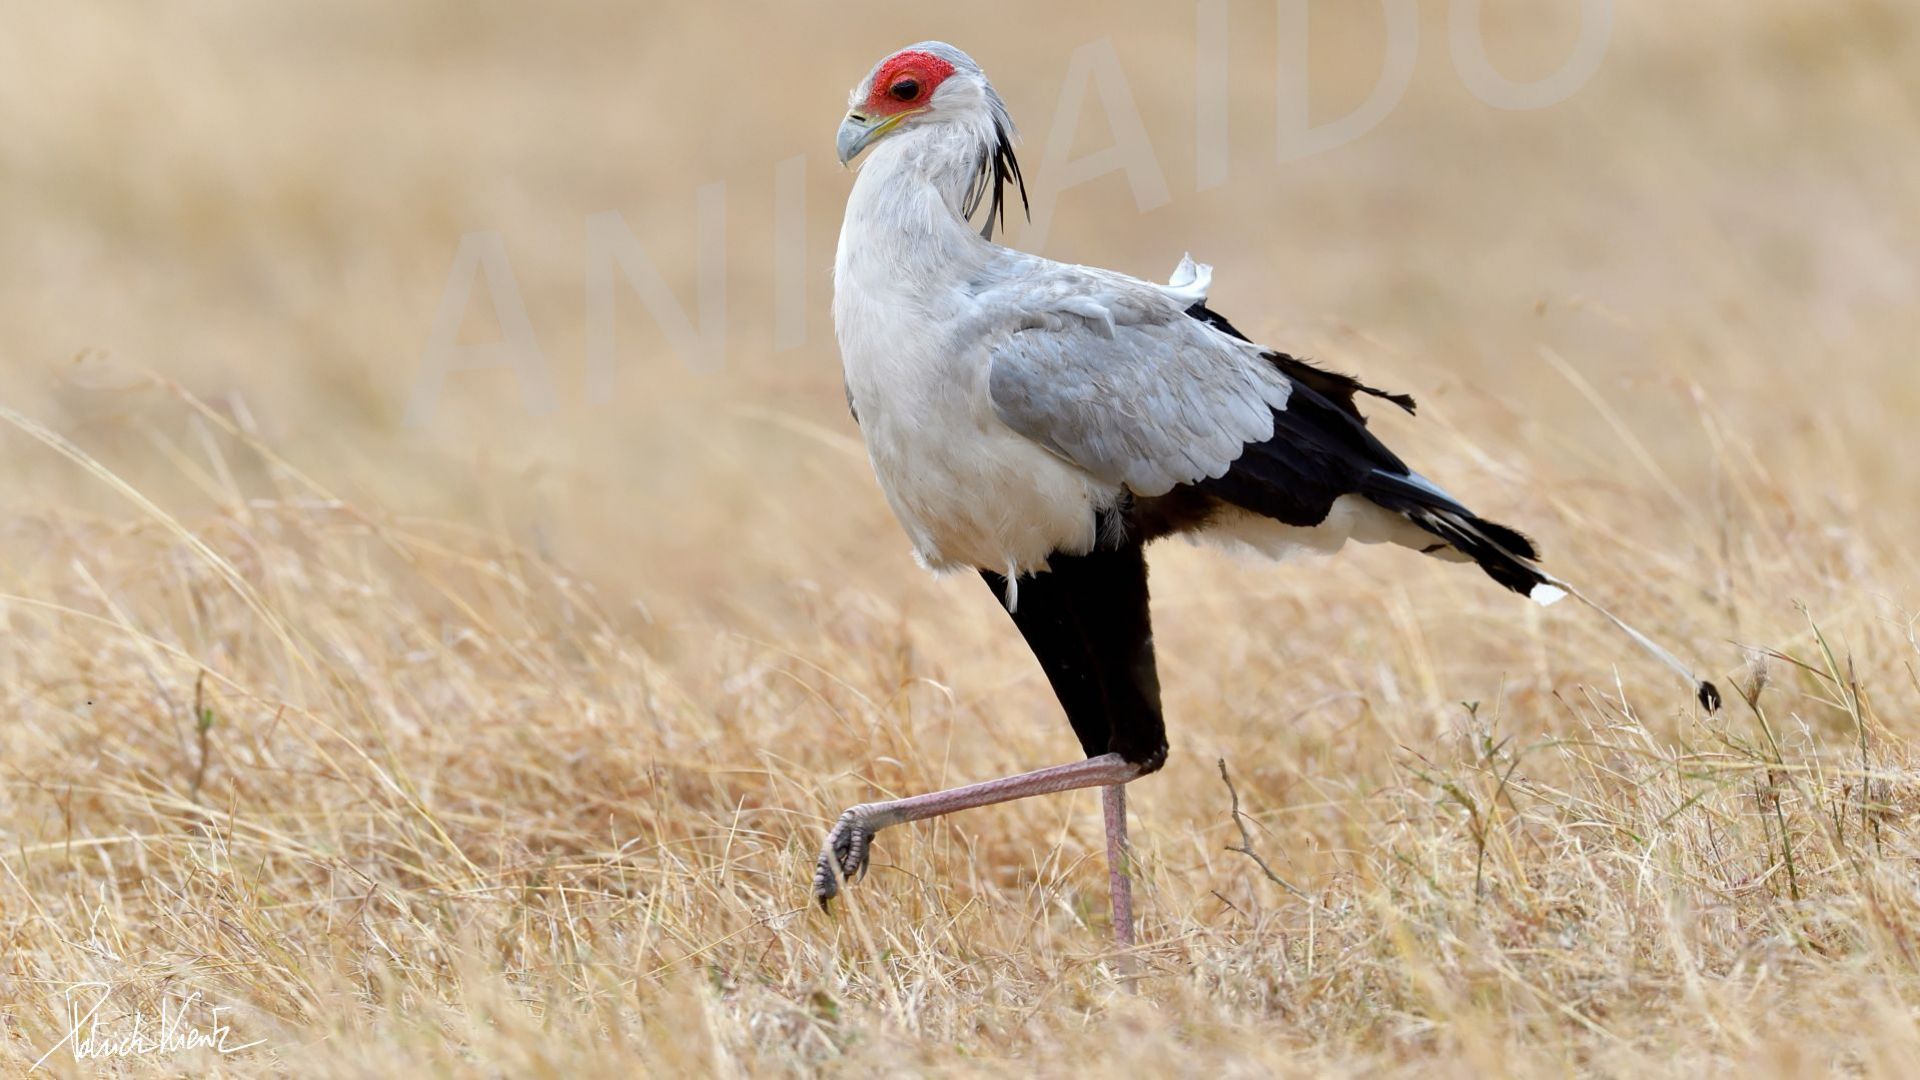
{"points": [[856, 132]]}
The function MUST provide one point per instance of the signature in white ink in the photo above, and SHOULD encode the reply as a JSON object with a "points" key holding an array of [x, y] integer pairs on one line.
{"points": [[89, 1037]]}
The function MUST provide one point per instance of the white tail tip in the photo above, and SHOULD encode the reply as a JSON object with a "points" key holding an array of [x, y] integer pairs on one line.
{"points": [[1547, 595]]}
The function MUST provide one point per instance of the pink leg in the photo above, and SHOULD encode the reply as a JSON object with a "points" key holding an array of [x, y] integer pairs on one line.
{"points": [[1113, 801], [845, 852]]}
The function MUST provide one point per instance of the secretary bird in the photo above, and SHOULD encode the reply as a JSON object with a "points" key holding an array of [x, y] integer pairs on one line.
{"points": [[1041, 423]]}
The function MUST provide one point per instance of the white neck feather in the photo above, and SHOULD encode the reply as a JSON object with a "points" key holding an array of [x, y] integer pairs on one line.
{"points": [[904, 230]]}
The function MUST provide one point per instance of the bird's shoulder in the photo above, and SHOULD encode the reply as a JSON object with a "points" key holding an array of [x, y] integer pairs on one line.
{"points": [[1022, 292], [1110, 372]]}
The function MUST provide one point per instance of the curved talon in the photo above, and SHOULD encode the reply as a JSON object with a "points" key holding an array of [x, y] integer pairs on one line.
{"points": [[843, 856]]}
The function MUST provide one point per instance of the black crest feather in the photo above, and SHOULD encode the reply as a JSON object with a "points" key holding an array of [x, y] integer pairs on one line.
{"points": [[997, 166]]}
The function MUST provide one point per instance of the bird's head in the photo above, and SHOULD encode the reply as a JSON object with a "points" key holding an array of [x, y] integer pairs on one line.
{"points": [[934, 85]]}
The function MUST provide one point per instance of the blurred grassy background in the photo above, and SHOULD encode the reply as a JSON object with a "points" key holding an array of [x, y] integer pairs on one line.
{"points": [[1668, 326], [263, 202]]}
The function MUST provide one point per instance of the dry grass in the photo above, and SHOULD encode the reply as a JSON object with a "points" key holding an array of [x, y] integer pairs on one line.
{"points": [[502, 747]]}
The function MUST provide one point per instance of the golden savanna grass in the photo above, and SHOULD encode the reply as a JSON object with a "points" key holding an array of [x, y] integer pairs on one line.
{"points": [[501, 744]]}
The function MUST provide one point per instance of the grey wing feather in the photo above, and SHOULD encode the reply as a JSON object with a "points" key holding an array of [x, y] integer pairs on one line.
{"points": [[1149, 404]]}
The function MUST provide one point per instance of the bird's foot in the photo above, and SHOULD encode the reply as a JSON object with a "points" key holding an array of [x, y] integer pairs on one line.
{"points": [[844, 856]]}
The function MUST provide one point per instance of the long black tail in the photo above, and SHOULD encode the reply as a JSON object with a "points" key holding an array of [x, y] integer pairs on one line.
{"points": [[1321, 450], [1508, 557], [1505, 554]]}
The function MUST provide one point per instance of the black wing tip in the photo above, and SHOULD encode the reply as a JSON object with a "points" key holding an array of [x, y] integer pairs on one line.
{"points": [[1333, 383], [1709, 696]]}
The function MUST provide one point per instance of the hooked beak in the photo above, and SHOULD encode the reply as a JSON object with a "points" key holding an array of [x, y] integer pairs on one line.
{"points": [[858, 132]]}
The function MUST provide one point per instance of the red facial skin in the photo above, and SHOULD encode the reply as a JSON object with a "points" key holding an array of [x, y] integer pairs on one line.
{"points": [[924, 69]]}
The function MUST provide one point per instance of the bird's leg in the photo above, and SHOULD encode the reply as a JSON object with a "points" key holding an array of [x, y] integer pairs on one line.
{"points": [[1113, 799], [1086, 620], [844, 855]]}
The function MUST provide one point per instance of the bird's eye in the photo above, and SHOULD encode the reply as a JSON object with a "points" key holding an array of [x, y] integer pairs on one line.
{"points": [[905, 89]]}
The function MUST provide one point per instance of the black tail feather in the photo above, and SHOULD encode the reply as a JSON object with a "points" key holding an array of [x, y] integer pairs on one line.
{"points": [[1509, 558], [1507, 555], [1321, 450]]}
